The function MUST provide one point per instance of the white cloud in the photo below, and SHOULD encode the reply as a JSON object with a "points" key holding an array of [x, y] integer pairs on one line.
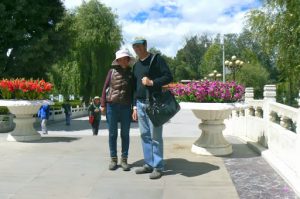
{"points": [[166, 30]]}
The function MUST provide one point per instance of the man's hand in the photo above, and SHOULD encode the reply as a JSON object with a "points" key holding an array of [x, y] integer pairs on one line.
{"points": [[147, 82], [134, 115], [103, 110]]}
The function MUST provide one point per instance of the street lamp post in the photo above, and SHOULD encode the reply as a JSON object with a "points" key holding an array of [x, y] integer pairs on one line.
{"points": [[215, 75], [234, 65], [223, 57]]}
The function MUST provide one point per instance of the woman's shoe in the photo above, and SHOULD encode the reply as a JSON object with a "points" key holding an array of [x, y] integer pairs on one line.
{"points": [[113, 163], [125, 165]]}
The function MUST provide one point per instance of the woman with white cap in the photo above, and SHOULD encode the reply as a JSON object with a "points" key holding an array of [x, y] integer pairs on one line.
{"points": [[116, 100]]}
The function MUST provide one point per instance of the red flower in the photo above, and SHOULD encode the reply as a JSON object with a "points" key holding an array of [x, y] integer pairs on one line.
{"points": [[24, 89]]}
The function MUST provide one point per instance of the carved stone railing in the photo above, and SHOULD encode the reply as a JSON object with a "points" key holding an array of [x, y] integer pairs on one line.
{"points": [[284, 115], [59, 114], [274, 126]]}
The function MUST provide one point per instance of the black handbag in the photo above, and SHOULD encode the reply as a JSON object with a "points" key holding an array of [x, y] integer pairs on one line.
{"points": [[162, 107]]}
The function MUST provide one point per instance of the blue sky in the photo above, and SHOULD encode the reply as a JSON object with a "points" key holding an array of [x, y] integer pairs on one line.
{"points": [[166, 23]]}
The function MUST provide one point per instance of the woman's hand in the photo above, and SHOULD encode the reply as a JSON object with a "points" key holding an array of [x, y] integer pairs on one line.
{"points": [[134, 115], [103, 110]]}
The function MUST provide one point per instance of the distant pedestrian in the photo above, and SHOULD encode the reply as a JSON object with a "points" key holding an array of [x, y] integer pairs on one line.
{"points": [[95, 115], [43, 114], [68, 112]]}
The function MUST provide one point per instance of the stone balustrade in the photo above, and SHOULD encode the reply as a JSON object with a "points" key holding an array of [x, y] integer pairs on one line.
{"points": [[273, 128], [59, 114]]}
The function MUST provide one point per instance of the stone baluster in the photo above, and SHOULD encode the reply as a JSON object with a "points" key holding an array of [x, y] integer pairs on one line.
{"points": [[270, 93], [269, 96], [251, 111], [286, 123], [273, 116], [243, 112], [259, 112], [249, 94]]}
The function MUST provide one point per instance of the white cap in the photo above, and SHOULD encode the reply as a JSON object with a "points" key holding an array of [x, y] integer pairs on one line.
{"points": [[123, 53]]}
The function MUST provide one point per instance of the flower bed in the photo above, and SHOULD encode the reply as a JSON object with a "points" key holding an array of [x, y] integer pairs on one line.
{"points": [[24, 89], [209, 91]]}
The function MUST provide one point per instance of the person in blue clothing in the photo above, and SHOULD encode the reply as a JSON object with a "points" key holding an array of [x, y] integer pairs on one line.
{"points": [[43, 114]]}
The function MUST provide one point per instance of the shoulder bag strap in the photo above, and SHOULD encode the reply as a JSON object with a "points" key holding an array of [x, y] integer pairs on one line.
{"points": [[147, 90]]}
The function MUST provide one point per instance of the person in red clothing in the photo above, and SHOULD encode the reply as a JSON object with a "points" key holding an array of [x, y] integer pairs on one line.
{"points": [[116, 102]]}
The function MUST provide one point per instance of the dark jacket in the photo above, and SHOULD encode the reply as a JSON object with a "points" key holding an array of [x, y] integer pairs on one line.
{"points": [[67, 108], [159, 73]]}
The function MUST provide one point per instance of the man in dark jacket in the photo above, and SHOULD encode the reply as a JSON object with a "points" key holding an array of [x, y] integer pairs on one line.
{"points": [[149, 79], [68, 112]]}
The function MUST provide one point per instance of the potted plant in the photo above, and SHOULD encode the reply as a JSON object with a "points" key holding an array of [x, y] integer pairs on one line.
{"points": [[23, 98], [211, 102]]}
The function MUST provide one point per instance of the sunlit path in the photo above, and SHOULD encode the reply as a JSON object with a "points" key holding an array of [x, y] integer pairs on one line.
{"points": [[71, 163]]}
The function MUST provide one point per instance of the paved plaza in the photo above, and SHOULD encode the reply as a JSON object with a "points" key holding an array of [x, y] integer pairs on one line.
{"points": [[70, 163]]}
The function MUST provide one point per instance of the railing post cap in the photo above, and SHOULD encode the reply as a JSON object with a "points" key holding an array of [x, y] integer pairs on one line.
{"points": [[270, 87], [249, 89]]}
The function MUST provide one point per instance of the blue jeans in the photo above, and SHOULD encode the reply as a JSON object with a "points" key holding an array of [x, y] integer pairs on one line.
{"points": [[114, 114], [152, 141]]}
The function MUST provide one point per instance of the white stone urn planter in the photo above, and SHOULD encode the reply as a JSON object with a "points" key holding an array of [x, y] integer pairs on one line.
{"points": [[212, 116], [24, 111]]}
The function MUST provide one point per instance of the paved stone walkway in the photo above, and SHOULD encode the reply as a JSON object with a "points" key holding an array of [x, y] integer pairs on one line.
{"points": [[69, 163]]}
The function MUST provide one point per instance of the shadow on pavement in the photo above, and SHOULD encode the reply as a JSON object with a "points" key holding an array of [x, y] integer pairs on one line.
{"points": [[76, 125], [183, 167], [55, 139], [240, 149]]}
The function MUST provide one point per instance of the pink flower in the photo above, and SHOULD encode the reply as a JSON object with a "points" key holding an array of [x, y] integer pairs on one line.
{"points": [[209, 91]]}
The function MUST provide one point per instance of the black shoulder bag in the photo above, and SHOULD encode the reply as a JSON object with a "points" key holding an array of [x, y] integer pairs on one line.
{"points": [[162, 106]]}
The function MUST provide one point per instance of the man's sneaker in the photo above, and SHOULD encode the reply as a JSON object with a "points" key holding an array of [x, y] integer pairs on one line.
{"points": [[125, 165], [144, 169], [113, 163], [156, 174]]}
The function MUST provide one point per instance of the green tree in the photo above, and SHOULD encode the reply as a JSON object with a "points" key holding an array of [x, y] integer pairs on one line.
{"points": [[212, 60], [98, 36], [65, 72], [253, 74], [189, 58], [29, 40], [277, 27]]}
